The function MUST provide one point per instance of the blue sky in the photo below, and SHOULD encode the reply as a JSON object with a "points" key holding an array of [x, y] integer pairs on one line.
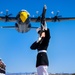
{"points": [[15, 47]]}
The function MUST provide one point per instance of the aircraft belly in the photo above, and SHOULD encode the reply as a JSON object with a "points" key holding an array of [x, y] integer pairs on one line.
{"points": [[23, 28]]}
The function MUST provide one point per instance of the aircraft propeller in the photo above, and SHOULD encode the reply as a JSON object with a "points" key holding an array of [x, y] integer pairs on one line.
{"points": [[56, 17], [6, 15]]}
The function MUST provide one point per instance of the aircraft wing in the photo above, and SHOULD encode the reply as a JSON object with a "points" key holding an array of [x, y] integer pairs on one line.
{"points": [[53, 19], [7, 19], [12, 27], [34, 20], [37, 19]]}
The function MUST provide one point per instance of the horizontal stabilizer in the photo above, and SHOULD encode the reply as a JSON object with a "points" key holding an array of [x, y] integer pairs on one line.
{"points": [[7, 26]]}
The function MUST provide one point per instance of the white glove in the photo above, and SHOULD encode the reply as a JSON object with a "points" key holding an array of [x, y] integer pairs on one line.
{"points": [[38, 39], [44, 26], [38, 29]]}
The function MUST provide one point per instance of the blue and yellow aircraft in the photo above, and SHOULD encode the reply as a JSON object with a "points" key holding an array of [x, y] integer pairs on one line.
{"points": [[23, 20]]}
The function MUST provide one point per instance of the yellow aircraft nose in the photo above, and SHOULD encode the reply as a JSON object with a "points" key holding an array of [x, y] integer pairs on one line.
{"points": [[23, 16]]}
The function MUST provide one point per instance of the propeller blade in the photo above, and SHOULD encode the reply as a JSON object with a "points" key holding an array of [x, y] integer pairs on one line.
{"points": [[9, 14], [7, 11]]}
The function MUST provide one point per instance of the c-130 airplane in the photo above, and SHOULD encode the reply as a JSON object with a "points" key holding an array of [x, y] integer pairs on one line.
{"points": [[23, 20]]}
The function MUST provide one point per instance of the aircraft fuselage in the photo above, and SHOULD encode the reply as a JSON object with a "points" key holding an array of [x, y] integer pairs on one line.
{"points": [[23, 22]]}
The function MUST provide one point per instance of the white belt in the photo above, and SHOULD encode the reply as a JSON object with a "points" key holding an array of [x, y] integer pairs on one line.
{"points": [[42, 51]]}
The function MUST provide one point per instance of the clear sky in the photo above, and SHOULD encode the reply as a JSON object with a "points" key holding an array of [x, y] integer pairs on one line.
{"points": [[15, 47]]}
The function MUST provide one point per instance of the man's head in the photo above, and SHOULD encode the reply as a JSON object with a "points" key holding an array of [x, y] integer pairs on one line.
{"points": [[41, 32]]}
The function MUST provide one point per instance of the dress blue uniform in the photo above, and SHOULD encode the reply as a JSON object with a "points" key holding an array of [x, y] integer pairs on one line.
{"points": [[41, 46]]}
